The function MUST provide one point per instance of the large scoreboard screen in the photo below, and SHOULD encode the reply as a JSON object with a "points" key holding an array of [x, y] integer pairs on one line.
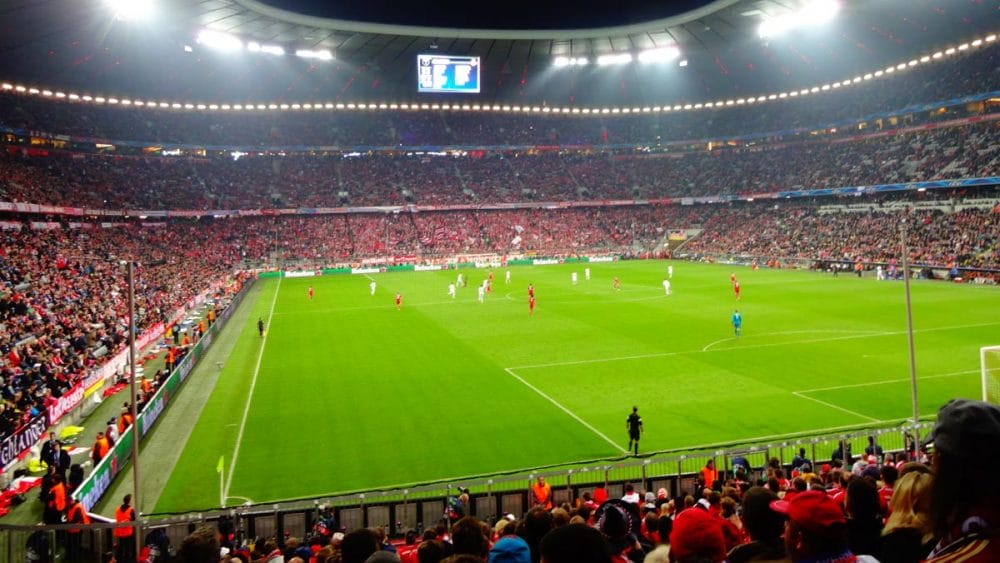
{"points": [[444, 73]]}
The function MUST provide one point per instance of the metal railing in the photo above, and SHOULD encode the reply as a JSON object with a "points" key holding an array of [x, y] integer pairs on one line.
{"points": [[425, 505]]}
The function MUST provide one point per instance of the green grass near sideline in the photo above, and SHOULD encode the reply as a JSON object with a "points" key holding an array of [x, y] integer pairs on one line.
{"points": [[350, 393]]}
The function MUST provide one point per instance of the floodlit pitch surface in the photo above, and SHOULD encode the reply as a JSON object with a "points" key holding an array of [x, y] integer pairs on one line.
{"points": [[345, 392]]}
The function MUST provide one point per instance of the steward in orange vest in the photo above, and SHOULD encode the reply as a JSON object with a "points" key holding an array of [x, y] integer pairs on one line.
{"points": [[125, 536], [75, 515], [55, 504], [101, 447]]}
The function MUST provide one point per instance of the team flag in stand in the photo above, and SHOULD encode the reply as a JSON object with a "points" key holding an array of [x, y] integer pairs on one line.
{"points": [[218, 468]]}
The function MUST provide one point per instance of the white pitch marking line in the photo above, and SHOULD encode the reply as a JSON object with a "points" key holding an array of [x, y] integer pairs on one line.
{"points": [[833, 406], [857, 333], [565, 410], [253, 383], [752, 346], [872, 383]]}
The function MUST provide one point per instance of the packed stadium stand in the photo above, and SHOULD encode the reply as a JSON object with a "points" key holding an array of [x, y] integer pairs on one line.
{"points": [[202, 200]]}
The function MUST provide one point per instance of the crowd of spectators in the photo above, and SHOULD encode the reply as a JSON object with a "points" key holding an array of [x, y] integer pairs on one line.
{"points": [[63, 299], [307, 181], [967, 238], [937, 503], [975, 71]]}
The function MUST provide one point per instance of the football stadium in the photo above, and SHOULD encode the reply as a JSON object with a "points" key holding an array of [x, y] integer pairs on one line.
{"points": [[305, 282]]}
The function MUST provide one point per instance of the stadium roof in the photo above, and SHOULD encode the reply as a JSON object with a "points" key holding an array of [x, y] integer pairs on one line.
{"points": [[81, 45]]}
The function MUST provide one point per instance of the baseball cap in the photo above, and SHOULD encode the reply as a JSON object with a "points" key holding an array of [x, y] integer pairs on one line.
{"points": [[510, 549], [812, 511], [966, 428], [696, 532]]}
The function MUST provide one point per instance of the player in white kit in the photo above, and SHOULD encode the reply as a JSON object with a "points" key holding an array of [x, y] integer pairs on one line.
{"points": [[482, 293], [666, 286], [670, 272], [451, 290], [506, 278], [573, 277], [586, 273], [371, 287]]}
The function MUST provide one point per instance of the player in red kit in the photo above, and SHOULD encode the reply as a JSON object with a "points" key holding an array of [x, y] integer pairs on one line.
{"points": [[399, 300], [736, 289], [310, 293], [618, 284], [732, 278], [531, 306], [531, 290]]}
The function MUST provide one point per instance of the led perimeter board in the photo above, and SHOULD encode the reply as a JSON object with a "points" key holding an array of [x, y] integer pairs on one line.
{"points": [[444, 73]]}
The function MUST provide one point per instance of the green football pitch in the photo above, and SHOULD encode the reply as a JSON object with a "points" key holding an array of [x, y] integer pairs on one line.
{"points": [[344, 392]]}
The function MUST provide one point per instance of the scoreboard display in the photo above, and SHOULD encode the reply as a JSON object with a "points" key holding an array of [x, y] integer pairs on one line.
{"points": [[444, 73]]}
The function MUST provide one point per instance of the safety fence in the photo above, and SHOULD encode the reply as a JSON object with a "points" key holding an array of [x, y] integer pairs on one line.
{"points": [[426, 505]]}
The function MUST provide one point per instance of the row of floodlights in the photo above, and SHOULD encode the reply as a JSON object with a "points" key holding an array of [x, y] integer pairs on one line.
{"points": [[812, 13], [507, 108], [659, 55], [229, 43]]}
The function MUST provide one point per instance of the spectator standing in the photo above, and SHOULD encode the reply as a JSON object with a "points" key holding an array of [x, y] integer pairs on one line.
{"points": [[965, 497], [816, 529], [908, 536]]}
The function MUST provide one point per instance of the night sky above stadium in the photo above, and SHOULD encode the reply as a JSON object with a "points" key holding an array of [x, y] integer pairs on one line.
{"points": [[493, 14]]}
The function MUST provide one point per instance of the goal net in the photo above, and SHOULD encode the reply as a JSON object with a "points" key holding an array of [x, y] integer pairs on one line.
{"points": [[989, 358]]}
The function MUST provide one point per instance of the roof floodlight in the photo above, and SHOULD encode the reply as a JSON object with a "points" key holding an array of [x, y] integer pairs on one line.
{"points": [[659, 55], [201, 106], [219, 40], [126, 102], [60, 95], [7, 86], [32, 90], [582, 61], [677, 108], [137, 103], [576, 110], [963, 46], [561, 61], [772, 97], [924, 59], [188, 106], [255, 47], [128, 10], [74, 96], [213, 106], [937, 55], [99, 100], [46, 92], [683, 63], [617, 59], [814, 13], [86, 98], [991, 37], [323, 55]]}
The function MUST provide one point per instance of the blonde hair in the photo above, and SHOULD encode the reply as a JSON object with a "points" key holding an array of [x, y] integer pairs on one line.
{"points": [[911, 505]]}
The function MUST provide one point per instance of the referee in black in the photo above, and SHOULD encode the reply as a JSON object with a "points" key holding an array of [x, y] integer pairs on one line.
{"points": [[634, 423]]}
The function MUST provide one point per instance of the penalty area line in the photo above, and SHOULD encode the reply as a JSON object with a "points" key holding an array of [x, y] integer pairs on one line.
{"points": [[253, 384], [833, 406], [572, 414]]}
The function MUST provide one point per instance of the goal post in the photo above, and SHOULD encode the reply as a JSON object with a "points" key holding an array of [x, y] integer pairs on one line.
{"points": [[989, 360]]}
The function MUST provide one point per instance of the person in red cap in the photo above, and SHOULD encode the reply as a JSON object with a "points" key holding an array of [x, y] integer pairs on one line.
{"points": [[816, 530], [697, 537]]}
